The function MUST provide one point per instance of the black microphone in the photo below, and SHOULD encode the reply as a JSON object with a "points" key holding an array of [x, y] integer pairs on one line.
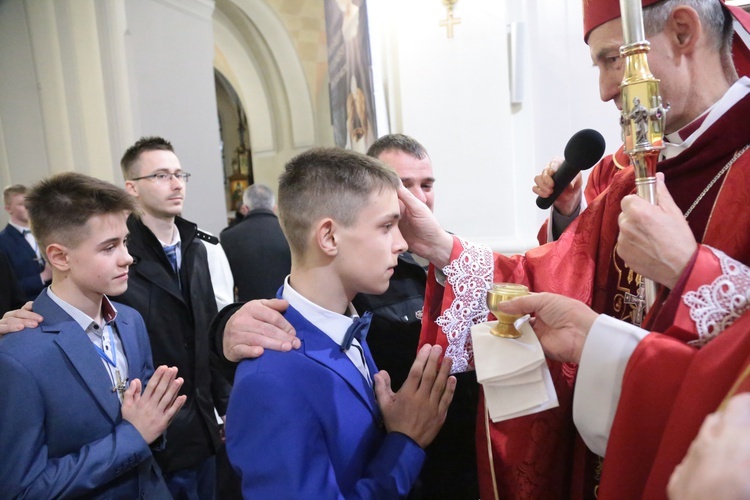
{"points": [[583, 150]]}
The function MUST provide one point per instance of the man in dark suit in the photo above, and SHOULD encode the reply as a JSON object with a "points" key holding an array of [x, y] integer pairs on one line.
{"points": [[257, 250], [19, 245]]}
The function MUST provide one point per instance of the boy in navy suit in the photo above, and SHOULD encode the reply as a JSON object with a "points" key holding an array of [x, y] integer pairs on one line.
{"points": [[307, 423], [73, 420], [18, 244]]}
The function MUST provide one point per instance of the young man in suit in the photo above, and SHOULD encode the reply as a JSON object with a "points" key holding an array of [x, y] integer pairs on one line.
{"points": [[19, 245], [70, 424], [170, 285], [308, 424]]}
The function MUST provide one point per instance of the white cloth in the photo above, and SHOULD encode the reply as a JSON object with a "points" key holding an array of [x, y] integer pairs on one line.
{"points": [[513, 372], [606, 353]]}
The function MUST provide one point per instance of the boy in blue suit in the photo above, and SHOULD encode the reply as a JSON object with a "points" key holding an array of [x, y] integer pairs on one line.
{"points": [[19, 245], [70, 424], [307, 423]]}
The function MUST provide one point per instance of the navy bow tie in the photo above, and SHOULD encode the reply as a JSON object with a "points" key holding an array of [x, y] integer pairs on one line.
{"points": [[357, 330]]}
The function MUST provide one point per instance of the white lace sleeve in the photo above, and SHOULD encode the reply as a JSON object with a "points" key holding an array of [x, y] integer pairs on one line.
{"points": [[470, 276], [714, 307]]}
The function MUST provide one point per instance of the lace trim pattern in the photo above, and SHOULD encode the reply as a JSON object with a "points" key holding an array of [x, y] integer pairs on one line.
{"points": [[470, 275], [716, 306]]}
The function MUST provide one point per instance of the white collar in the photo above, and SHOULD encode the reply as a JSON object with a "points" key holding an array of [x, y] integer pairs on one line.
{"points": [[736, 92], [331, 323]]}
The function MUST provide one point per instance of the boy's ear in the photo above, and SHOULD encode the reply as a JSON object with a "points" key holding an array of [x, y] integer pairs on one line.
{"points": [[325, 237], [57, 255]]}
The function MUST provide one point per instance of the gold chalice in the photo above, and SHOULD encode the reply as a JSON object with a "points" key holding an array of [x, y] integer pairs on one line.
{"points": [[500, 292]]}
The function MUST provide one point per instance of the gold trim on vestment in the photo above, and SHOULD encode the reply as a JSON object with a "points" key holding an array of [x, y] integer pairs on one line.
{"points": [[745, 374], [489, 450]]}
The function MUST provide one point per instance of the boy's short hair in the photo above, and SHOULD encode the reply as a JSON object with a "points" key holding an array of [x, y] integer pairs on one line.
{"points": [[60, 206], [12, 191], [130, 158], [327, 182], [398, 142]]}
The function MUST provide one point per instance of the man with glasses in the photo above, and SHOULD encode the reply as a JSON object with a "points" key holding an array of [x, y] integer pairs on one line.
{"points": [[170, 285]]}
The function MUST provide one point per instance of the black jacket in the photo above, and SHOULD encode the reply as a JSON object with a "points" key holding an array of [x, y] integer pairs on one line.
{"points": [[177, 321], [258, 254]]}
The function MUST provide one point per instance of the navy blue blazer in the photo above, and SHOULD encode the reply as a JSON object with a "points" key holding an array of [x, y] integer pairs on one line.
{"points": [[24, 261], [306, 424], [61, 429]]}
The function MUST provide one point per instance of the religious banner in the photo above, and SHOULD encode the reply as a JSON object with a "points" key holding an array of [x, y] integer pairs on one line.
{"points": [[350, 74]]}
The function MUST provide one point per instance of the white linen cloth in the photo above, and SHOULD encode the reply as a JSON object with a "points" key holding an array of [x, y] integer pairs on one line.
{"points": [[513, 372]]}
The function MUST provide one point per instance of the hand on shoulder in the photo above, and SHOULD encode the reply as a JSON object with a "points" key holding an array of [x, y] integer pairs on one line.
{"points": [[256, 326], [15, 321]]}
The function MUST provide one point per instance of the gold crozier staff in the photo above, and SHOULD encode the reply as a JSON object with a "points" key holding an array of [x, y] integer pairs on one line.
{"points": [[642, 120]]}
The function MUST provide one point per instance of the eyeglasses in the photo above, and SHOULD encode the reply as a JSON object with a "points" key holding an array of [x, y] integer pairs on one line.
{"points": [[164, 177]]}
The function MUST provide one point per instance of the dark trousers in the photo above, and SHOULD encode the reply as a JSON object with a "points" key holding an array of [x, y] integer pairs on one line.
{"points": [[194, 483]]}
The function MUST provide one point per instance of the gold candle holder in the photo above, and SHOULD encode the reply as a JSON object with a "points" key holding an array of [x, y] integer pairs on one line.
{"points": [[500, 292]]}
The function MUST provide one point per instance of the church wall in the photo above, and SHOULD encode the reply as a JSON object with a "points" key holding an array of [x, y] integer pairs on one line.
{"points": [[453, 95], [169, 46], [82, 80], [20, 116]]}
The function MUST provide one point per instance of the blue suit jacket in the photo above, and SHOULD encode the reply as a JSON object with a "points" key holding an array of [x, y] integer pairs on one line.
{"points": [[61, 429], [24, 261], [306, 424]]}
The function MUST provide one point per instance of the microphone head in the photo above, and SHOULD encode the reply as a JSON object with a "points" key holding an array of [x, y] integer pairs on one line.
{"points": [[584, 149]]}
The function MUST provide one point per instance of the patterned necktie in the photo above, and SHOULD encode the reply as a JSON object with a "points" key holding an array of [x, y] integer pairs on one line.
{"points": [[171, 252], [357, 330]]}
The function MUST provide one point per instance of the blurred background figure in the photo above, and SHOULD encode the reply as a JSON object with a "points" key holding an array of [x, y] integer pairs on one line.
{"points": [[257, 250]]}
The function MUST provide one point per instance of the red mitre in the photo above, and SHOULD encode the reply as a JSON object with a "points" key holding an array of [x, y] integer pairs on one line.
{"points": [[598, 12]]}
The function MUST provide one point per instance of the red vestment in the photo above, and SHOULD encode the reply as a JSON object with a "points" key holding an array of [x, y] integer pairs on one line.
{"points": [[670, 387], [530, 457]]}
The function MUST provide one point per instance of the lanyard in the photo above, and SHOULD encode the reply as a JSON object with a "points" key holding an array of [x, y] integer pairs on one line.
{"points": [[113, 360]]}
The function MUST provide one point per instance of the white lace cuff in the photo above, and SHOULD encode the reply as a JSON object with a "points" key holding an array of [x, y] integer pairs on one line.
{"points": [[716, 306], [470, 276]]}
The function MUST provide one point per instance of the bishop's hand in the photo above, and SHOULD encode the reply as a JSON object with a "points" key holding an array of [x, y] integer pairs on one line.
{"points": [[655, 240], [421, 230], [570, 199], [561, 323]]}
